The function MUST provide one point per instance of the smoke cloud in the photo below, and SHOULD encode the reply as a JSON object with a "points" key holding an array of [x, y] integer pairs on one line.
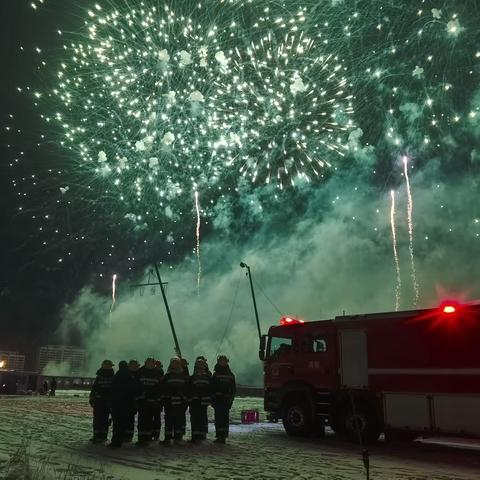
{"points": [[333, 254]]}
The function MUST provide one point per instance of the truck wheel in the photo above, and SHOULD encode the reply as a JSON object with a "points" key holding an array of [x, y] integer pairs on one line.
{"points": [[297, 418], [361, 424]]}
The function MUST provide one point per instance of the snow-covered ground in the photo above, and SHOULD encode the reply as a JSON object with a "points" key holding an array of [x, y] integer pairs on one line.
{"points": [[55, 433]]}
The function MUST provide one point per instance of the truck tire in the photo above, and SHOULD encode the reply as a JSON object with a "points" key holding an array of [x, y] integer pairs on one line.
{"points": [[297, 418], [361, 424]]}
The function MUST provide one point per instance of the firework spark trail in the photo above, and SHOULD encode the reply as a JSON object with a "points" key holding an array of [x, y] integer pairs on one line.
{"points": [[197, 233], [398, 284], [114, 291], [410, 231]]}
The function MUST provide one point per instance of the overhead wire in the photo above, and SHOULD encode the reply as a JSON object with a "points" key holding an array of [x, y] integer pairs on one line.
{"points": [[227, 325], [267, 297]]}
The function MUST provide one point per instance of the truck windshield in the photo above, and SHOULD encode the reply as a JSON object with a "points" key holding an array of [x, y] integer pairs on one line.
{"points": [[279, 346]]}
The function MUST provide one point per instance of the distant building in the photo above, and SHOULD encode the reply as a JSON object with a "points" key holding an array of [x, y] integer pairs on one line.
{"points": [[70, 360], [12, 361]]}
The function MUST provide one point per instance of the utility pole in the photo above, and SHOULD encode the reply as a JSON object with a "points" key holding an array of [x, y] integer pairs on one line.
{"points": [[167, 308], [249, 273], [169, 315]]}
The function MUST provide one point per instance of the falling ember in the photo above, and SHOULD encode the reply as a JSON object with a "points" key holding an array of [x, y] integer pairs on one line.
{"points": [[197, 232], [410, 231], [395, 254], [114, 291]]}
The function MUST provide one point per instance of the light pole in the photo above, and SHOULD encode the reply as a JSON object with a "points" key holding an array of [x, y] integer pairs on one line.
{"points": [[249, 273]]}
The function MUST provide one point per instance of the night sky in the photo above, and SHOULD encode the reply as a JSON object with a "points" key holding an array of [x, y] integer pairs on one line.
{"points": [[290, 122]]}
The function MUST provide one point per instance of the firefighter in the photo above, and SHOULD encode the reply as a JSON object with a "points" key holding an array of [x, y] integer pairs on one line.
{"points": [[148, 398], [124, 389], [201, 357], [53, 387], [101, 401], [186, 371], [133, 367], [200, 399], [223, 393], [185, 366], [175, 396], [157, 414]]}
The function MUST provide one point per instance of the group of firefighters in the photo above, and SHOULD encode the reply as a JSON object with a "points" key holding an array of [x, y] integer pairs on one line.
{"points": [[147, 390]]}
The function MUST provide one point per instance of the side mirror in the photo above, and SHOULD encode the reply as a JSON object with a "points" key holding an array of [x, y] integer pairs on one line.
{"points": [[261, 351]]}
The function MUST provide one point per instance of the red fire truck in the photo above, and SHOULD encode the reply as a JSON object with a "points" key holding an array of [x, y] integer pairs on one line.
{"points": [[402, 373]]}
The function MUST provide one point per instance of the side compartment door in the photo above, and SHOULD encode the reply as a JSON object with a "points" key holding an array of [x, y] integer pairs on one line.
{"points": [[353, 358]]}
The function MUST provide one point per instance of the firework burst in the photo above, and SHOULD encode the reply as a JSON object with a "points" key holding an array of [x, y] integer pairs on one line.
{"points": [[155, 104], [135, 105], [153, 101], [291, 107]]}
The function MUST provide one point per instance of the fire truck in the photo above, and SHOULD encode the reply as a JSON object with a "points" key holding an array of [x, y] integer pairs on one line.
{"points": [[399, 373]]}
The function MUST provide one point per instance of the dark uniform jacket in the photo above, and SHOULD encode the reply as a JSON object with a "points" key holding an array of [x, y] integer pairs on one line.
{"points": [[223, 384], [102, 386], [124, 388], [149, 384], [175, 388], [201, 388]]}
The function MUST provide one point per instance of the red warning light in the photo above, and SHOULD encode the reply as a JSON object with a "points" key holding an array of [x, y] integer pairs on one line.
{"points": [[290, 321], [449, 309]]}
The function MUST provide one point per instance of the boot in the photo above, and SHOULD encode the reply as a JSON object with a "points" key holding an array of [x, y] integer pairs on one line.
{"points": [[97, 441], [114, 445], [179, 441]]}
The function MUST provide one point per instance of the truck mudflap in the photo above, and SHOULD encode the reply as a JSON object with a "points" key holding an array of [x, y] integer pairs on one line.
{"points": [[272, 402], [272, 417]]}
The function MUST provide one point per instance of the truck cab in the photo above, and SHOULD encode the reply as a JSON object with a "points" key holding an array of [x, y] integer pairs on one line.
{"points": [[411, 372], [300, 372]]}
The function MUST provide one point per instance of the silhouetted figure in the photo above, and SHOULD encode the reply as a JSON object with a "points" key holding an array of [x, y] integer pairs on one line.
{"points": [[148, 398], [133, 367], [157, 414], [101, 401], [200, 399], [45, 387], [186, 371], [223, 393], [201, 357], [185, 364], [175, 395], [53, 387], [123, 402]]}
